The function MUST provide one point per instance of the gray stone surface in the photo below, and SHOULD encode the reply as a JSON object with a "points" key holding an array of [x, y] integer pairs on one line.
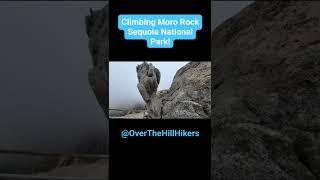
{"points": [[188, 97], [149, 80], [266, 91], [190, 93], [97, 30]]}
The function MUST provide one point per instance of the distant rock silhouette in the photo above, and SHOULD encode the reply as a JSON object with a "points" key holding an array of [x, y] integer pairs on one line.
{"points": [[266, 92], [97, 31]]}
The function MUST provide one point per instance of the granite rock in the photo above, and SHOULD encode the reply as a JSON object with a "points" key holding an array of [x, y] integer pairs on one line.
{"points": [[188, 97], [266, 91]]}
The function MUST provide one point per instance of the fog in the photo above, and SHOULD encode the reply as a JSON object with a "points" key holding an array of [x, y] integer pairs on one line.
{"points": [[46, 102], [123, 81], [222, 10]]}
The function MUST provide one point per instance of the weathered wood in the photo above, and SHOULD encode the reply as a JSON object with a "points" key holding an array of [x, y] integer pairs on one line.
{"points": [[32, 153]]}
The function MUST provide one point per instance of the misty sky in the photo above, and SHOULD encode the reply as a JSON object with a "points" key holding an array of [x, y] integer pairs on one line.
{"points": [[222, 10], [46, 102], [45, 99], [123, 87]]}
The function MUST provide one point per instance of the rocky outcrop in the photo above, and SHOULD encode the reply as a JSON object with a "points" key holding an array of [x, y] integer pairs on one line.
{"points": [[266, 91], [189, 96], [98, 33], [149, 80]]}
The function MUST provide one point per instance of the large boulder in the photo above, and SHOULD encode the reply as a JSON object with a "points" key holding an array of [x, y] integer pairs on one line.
{"points": [[189, 96], [190, 93], [97, 28], [266, 92], [149, 80]]}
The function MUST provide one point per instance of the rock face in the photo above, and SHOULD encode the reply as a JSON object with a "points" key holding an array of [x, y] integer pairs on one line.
{"points": [[188, 97], [266, 91], [190, 93], [98, 33], [149, 80]]}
